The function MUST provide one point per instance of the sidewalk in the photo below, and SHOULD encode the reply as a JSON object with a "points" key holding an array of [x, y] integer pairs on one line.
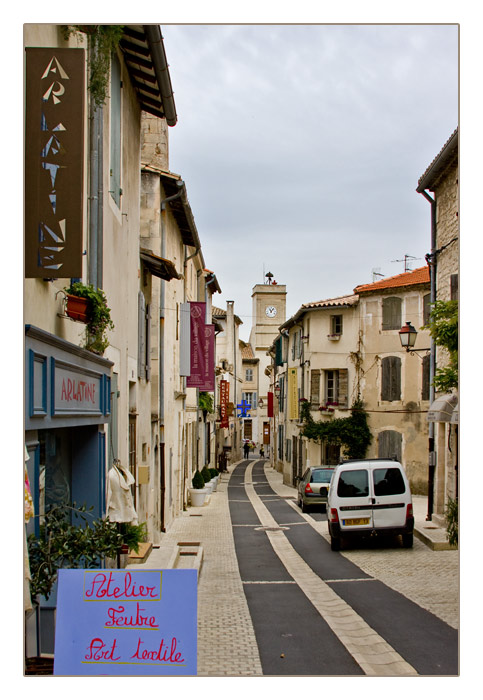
{"points": [[202, 538]]}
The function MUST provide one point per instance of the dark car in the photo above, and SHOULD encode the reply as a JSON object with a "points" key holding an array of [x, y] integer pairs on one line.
{"points": [[313, 486]]}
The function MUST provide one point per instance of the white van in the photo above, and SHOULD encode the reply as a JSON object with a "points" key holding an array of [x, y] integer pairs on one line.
{"points": [[369, 497]]}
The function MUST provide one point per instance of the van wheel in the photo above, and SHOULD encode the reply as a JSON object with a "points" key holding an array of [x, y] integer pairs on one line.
{"points": [[407, 541], [335, 543]]}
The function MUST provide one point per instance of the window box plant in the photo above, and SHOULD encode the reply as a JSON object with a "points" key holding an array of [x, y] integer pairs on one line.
{"points": [[96, 314]]}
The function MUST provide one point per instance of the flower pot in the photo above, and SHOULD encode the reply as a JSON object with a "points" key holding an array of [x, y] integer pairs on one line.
{"points": [[197, 496], [77, 308]]}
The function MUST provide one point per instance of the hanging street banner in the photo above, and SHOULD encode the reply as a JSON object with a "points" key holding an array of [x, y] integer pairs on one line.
{"points": [[125, 622], [224, 395], [54, 161], [208, 359], [197, 344]]}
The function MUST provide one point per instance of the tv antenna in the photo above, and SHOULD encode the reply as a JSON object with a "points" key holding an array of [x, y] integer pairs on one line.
{"points": [[405, 260], [376, 272]]}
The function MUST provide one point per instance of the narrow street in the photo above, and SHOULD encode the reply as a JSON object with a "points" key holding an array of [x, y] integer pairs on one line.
{"points": [[275, 600]]}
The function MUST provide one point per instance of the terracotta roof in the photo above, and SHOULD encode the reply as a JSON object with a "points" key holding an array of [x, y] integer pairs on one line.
{"points": [[246, 351], [406, 279], [349, 300], [216, 312]]}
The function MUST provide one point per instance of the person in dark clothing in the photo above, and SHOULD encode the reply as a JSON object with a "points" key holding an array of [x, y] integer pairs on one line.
{"points": [[246, 449]]}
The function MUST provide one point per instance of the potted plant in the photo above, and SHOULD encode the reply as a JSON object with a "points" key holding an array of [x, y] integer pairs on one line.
{"points": [[197, 492], [63, 545], [206, 474], [96, 314]]}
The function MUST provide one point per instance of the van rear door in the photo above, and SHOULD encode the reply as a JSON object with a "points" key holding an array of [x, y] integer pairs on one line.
{"points": [[354, 498], [390, 497]]}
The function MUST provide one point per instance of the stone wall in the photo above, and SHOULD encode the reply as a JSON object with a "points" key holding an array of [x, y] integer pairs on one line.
{"points": [[154, 142]]}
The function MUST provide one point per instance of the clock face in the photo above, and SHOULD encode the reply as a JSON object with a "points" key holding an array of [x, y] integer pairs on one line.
{"points": [[271, 311]]}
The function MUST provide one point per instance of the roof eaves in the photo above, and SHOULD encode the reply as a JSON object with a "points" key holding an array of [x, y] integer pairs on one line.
{"points": [[446, 157]]}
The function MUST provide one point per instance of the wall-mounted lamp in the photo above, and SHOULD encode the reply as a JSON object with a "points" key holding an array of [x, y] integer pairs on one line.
{"points": [[260, 403], [407, 336], [277, 390]]}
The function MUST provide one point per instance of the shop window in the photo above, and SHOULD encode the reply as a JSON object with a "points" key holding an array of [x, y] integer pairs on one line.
{"points": [[391, 314]]}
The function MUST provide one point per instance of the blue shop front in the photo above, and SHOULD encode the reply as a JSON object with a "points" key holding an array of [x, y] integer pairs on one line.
{"points": [[67, 409]]}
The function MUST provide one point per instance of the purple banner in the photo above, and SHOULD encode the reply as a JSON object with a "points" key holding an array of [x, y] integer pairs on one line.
{"points": [[197, 344], [209, 359]]}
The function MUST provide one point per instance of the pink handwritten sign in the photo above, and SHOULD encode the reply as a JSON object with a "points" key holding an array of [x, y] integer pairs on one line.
{"points": [[126, 622]]}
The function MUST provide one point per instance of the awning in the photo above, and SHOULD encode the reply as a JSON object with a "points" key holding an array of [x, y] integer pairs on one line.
{"points": [[455, 416], [159, 267], [442, 409]]}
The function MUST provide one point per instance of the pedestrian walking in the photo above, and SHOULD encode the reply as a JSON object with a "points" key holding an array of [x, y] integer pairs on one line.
{"points": [[261, 451], [246, 449]]}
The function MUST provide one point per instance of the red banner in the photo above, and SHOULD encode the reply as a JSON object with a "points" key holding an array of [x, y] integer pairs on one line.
{"points": [[224, 395], [270, 404]]}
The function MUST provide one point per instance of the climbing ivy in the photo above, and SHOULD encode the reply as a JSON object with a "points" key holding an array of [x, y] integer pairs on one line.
{"points": [[443, 327], [103, 41], [352, 432]]}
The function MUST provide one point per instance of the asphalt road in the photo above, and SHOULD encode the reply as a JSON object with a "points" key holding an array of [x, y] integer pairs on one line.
{"points": [[292, 636]]}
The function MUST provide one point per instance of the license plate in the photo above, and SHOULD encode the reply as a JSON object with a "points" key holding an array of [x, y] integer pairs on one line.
{"points": [[356, 521]]}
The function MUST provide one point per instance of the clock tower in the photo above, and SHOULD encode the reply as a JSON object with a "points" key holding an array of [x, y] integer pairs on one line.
{"points": [[268, 313]]}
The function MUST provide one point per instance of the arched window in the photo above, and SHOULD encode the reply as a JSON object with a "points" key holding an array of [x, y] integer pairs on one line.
{"points": [[389, 445], [391, 379], [391, 314]]}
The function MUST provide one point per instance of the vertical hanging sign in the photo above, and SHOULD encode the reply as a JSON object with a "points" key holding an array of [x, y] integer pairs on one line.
{"points": [[224, 393], [270, 404], [197, 344], [54, 161], [208, 359]]}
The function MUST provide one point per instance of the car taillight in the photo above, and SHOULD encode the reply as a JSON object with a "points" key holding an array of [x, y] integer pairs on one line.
{"points": [[334, 516], [409, 511], [308, 489]]}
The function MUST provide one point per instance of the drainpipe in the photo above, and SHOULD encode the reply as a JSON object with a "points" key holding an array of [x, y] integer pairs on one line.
{"points": [[432, 262]]}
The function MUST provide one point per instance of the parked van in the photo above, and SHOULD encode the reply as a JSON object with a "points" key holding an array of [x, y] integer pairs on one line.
{"points": [[369, 497]]}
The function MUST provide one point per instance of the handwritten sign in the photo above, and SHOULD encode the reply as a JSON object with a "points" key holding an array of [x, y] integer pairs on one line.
{"points": [[126, 622]]}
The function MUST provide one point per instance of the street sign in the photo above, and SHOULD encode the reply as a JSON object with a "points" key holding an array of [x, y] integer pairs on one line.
{"points": [[126, 622]]}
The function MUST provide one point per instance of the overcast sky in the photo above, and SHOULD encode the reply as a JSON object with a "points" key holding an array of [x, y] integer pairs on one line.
{"points": [[301, 147]]}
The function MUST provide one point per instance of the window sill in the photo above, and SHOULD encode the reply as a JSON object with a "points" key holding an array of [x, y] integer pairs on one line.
{"points": [[334, 336]]}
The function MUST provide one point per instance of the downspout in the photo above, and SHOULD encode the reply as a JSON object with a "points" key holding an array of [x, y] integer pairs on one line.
{"points": [[432, 262], [100, 202]]}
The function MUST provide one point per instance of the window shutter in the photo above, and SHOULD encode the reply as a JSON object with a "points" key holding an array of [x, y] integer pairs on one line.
{"points": [[315, 387], [343, 397], [426, 308], [390, 445], [141, 335], [391, 314], [148, 342], [391, 379]]}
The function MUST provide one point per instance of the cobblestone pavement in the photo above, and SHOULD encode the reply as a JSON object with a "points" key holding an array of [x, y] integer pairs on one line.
{"points": [[226, 640]]}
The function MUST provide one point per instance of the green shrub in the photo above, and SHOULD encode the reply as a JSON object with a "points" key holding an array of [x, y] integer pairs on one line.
{"points": [[198, 481], [451, 515], [205, 473]]}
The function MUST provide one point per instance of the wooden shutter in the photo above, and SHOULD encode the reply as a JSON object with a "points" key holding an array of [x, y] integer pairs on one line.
{"points": [[148, 342], [391, 379], [390, 445], [343, 397], [315, 387], [391, 314], [141, 335]]}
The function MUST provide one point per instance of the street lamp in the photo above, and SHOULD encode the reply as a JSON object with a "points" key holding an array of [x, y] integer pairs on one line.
{"points": [[277, 390], [407, 336]]}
